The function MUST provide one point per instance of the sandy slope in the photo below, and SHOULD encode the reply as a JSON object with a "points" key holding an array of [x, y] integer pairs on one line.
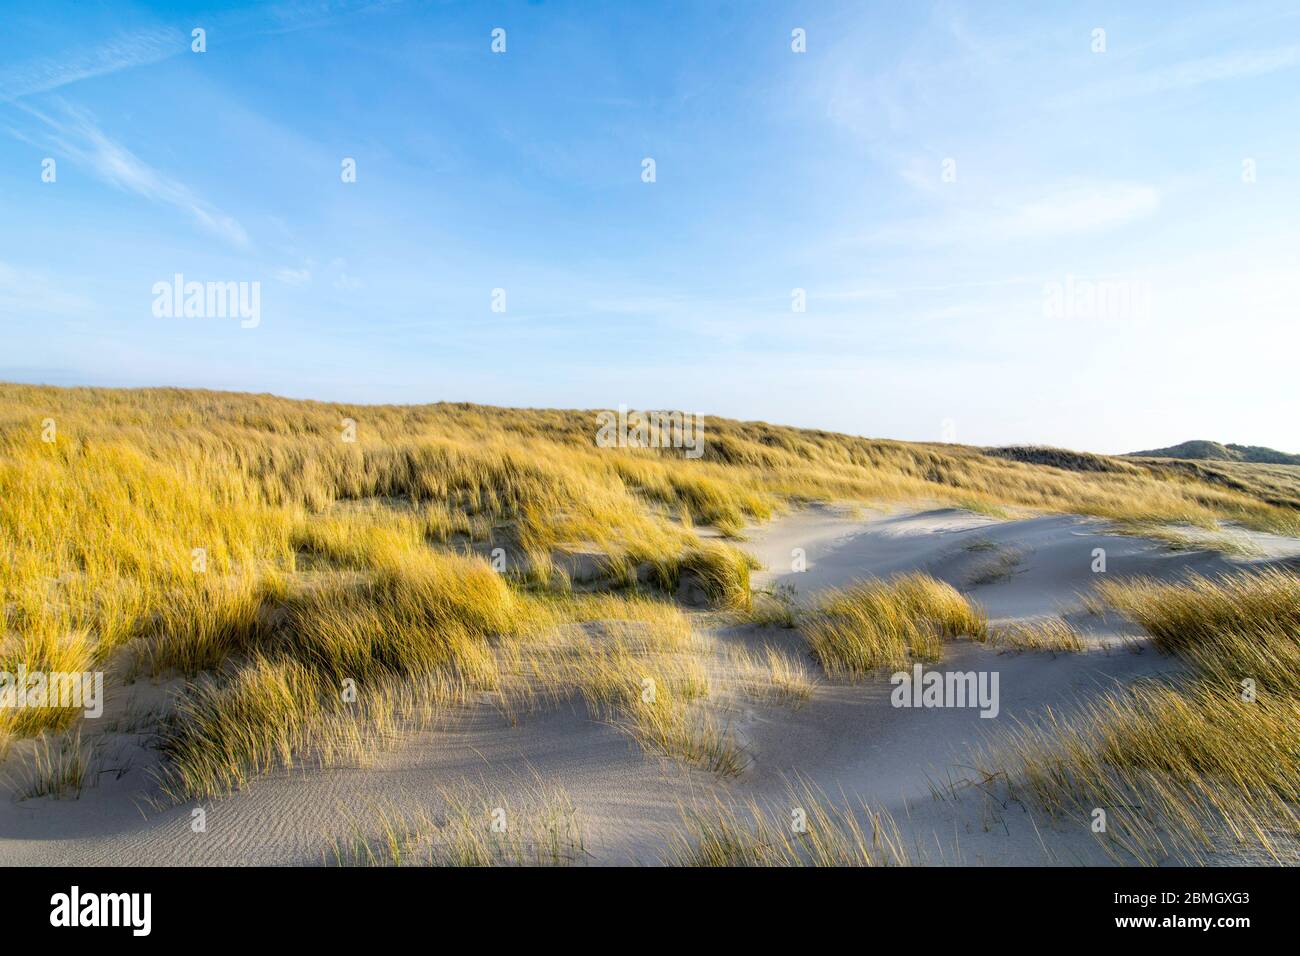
{"points": [[848, 740]]}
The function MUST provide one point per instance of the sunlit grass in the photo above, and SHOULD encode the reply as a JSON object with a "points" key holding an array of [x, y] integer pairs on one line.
{"points": [[807, 829], [876, 624], [1207, 763], [242, 542], [530, 827]]}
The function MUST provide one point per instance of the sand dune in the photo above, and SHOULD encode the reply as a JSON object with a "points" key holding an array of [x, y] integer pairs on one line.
{"points": [[846, 740]]}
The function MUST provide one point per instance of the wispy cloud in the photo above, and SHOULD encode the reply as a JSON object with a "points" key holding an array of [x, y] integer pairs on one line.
{"points": [[24, 293], [1236, 65], [144, 46], [122, 52], [74, 134], [294, 276], [1069, 211]]}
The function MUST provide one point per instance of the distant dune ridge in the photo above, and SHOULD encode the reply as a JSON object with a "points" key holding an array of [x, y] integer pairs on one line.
{"points": [[1213, 451]]}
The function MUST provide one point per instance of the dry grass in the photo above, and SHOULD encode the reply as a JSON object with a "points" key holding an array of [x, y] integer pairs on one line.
{"points": [[636, 663], [878, 624], [272, 715], [532, 828], [241, 541], [58, 766], [1208, 764], [1219, 621], [1044, 634], [775, 607], [728, 834], [998, 567], [772, 675]]}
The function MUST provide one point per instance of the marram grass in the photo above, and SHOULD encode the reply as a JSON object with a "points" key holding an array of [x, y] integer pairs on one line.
{"points": [[1202, 768], [242, 542], [875, 624]]}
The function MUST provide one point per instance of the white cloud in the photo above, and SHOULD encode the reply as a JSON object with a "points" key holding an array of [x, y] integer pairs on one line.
{"points": [[1068, 211], [76, 135], [121, 52], [25, 293], [294, 276], [1192, 73]]}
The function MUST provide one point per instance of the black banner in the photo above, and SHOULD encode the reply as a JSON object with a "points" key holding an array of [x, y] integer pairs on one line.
{"points": [[336, 905]]}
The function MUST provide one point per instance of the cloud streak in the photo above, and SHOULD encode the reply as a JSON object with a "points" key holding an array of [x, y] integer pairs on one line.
{"points": [[122, 52], [1237, 65], [76, 135], [1070, 211]]}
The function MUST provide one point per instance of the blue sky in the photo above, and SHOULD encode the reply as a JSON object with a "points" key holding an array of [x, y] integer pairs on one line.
{"points": [[934, 176]]}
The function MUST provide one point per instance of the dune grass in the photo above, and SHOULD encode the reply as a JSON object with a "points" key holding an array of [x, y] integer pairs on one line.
{"points": [[636, 662], [892, 623], [250, 544], [772, 607], [1043, 634], [277, 714], [1200, 766], [807, 829], [58, 766], [997, 567], [533, 827], [1214, 621], [771, 674]]}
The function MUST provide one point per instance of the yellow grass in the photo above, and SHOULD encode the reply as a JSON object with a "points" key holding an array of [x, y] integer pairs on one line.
{"points": [[532, 827], [807, 829], [771, 674], [1046, 634], [874, 624], [1206, 764], [637, 663], [241, 541]]}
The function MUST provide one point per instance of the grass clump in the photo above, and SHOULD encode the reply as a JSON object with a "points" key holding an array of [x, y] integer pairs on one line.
{"points": [[58, 766], [776, 607], [641, 668], [273, 714], [891, 623], [1207, 763], [999, 567], [772, 674], [537, 828], [721, 572], [809, 830], [1043, 634]]}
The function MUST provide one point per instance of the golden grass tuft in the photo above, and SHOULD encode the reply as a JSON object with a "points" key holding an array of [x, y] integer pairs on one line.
{"points": [[891, 623], [1043, 634], [278, 714], [58, 766], [807, 830], [636, 663], [772, 675], [1207, 764]]}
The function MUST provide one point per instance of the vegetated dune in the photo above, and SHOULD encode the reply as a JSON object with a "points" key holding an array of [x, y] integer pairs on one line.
{"points": [[1213, 451], [469, 609]]}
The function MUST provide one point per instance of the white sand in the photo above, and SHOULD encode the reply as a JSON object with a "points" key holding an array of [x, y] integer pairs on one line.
{"points": [[848, 740]]}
